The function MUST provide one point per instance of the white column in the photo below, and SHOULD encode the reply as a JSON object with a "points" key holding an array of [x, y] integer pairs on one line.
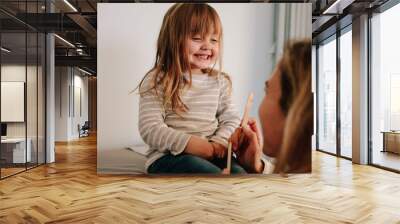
{"points": [[50, 99], [360, 90], [50, 92], [314, 92]]}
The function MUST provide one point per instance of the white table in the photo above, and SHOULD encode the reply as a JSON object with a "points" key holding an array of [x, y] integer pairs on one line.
{"points": [[18, 149]]}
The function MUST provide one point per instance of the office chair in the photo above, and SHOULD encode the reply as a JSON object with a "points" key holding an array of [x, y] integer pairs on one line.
{"points": [[84, 130]]}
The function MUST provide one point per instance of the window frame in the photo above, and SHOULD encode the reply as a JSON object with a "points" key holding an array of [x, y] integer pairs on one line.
{"points": [[333, 37]]}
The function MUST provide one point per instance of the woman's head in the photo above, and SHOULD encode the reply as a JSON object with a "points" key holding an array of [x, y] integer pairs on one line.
{"points": [[189, 41], [286, 112]]}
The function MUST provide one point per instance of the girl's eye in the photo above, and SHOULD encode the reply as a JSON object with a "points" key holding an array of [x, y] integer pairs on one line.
{"points": [[196, 38], [214, 40]]}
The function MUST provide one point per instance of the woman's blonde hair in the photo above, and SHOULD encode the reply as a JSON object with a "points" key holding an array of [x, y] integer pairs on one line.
{"points": [[297, 104], [181, 22]]}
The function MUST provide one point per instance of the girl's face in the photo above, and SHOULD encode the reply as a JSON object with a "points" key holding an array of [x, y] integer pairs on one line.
{"points": [[271, 115], [203, 51]]}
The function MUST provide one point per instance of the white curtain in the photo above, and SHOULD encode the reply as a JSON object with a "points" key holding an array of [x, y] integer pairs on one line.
{"points": [[293, 21]]}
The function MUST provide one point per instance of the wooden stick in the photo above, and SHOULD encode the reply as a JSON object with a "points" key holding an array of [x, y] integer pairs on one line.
{"points": [[229, 161], [244, 122], [245, 118]]}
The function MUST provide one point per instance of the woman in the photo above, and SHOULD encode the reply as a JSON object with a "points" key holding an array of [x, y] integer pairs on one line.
{"points": [[286, 116]]}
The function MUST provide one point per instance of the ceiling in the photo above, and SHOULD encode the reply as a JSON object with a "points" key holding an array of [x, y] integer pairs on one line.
{"points": [[332, 15], [76, 22]]}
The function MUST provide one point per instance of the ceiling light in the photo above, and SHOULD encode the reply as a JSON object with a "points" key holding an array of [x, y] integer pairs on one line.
{"points": [[64, 40], [71, 6], [333, 6], [84, 71], [5, 50], [337, 7]]}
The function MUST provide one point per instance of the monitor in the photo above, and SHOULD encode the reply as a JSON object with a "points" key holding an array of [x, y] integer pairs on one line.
{"points": [[3, 129]]}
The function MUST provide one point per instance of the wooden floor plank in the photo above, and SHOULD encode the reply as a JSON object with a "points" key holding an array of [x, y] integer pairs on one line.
{"points": [[70, 191]]}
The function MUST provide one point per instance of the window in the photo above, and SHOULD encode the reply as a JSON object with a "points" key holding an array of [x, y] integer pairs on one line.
{"points": [[327, 96], [346, 93], [385, 89]]}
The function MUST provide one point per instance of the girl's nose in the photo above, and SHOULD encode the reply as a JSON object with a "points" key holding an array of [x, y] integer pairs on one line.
{"points": [[206, 45]]}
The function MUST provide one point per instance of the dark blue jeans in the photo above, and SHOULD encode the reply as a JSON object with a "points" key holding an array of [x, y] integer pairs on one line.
{"points": [[190, 164]]}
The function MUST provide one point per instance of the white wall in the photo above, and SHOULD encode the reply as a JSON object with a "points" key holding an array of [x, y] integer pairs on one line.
{"points": [[66, 121], [127, 35], [247, 48], [80, 82], [62, 80]]}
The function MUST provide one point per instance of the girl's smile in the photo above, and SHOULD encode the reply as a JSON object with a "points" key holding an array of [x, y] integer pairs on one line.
{"points": [[203, 56], [203, 52]]}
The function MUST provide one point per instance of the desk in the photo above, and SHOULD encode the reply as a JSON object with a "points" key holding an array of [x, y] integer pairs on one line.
{"points": [[391, 141], [13, 150]]}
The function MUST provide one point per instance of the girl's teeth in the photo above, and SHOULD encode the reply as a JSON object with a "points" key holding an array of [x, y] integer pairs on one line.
{"points": [[204, 57]]}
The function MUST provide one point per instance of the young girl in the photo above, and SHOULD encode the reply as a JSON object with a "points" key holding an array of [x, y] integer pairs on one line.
{"points": [[185, 112]]}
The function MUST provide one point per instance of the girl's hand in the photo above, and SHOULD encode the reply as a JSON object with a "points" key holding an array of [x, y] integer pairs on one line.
{"points": [[200, 147], [250, 150], [219, 150]]}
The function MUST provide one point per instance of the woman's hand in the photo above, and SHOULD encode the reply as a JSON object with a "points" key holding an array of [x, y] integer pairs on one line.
{"points": [[249, 151]]}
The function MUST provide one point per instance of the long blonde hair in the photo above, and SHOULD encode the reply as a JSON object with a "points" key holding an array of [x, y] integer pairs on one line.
{"points": [[297, 104], [181, 22]]}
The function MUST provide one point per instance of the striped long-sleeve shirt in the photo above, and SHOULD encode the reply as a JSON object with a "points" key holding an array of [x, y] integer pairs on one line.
{"points": [[211, 115]]}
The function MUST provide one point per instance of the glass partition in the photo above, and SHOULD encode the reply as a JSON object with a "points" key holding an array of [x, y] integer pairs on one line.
{"points": [[22, 77], [13, 95]]}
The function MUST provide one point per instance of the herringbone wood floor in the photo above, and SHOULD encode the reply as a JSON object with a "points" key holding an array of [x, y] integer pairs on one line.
{"points": [[70, 191]]}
